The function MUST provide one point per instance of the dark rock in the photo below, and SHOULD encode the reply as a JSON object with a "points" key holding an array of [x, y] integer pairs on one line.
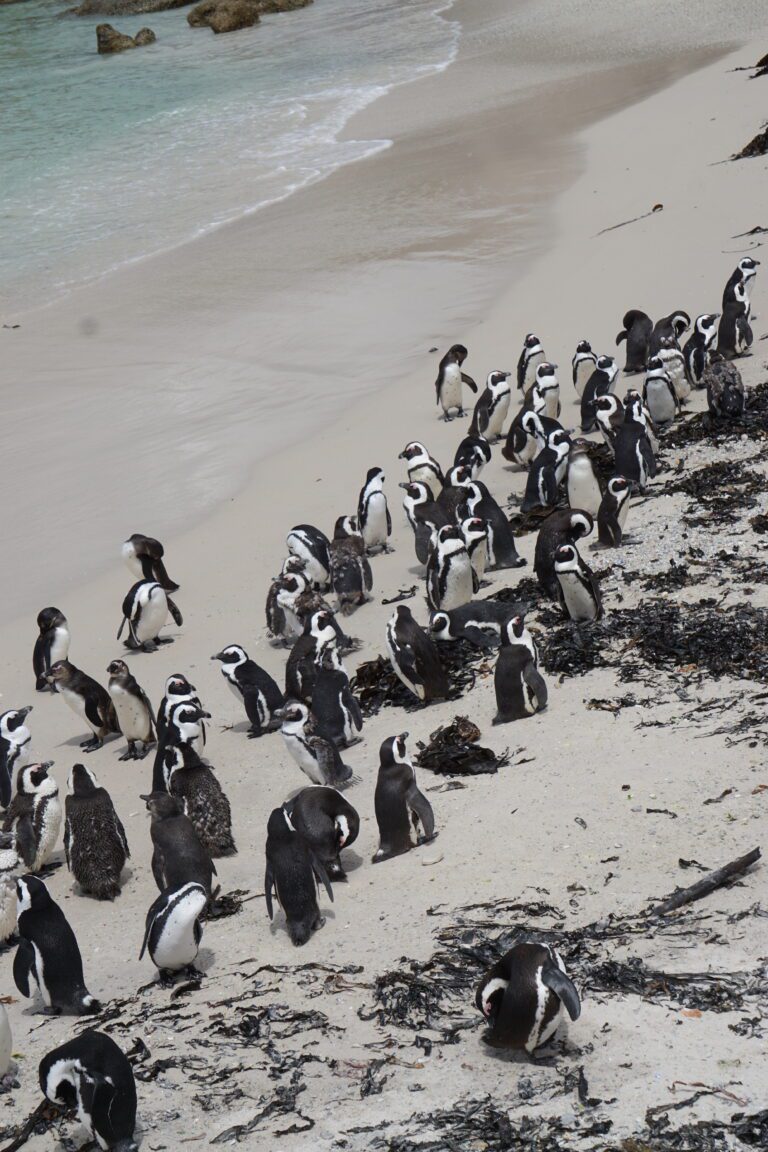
{"points": [[231, 15], [109, 40], [125, 7]]}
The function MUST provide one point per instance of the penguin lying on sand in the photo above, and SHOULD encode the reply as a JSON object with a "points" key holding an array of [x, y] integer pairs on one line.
{"points": [[522, 997]]}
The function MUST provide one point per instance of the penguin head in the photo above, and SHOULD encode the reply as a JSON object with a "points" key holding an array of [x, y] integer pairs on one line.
{"points": [[531, 421], [607, 407], [161, 806], [538, 400], [473, 528], [584, 348], [532, 343], [608, 365], [450, 539], [178, 685], [496, 380], [31, 894], [679, 322], [440, 626], [490, 996], [393, 750], [458, 476], [293, 712], [413, 451], [546, 376], [618, 487], [633, 407], [375, 475], [320, 625], [513, 631], [560, 442], [12, 720], [233, 654], [82, 782], [706, 326], [187, 719], [581, 524], [50, 618], [657, 371], [403, 615], [118, 670], [345, 527], [292, 565], [416, 492], [34, 778], [748, 267], [279, 825], [580, 447], [458, 353], [341, 824], [566, 559], [60, 672]]}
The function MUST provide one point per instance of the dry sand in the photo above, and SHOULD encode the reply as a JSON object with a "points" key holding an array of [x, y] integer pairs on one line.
{"points": [[513, 835]]}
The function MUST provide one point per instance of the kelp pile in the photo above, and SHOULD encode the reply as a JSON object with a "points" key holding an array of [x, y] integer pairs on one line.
{"points": [[376, 685], [453, 750]]}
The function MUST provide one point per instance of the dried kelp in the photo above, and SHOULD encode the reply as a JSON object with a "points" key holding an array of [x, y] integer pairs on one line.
{"points": [[453, 750], [283, 1103], [722, 490], [275, 1021], [376, 685], [705, 427], [673, 578], [568, 649]]}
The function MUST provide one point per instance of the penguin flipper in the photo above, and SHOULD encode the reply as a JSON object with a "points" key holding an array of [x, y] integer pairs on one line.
{"points": [[421, 807], [536, 684], [23, 967], [321, 876], [469, 382], [477, 637], [621, 336], [67, 842], [648, 457], [173, 608], [389, 523], [120, 833], [353, 706], [269, 883], [149, 922], [5, 786], [120, 629], [26, 841], [564, 988]]}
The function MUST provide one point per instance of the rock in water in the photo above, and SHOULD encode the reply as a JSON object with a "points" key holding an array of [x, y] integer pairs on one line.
{"points": [[224, 15], [109, 40], [125, 7]]}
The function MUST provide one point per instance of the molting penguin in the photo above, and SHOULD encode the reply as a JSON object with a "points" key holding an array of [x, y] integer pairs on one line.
{"points": [[133, 710], [450, 379], [283, 624], [612, 513], [178, 857], [254, 688], [93, 1077], [173, 930], [422, 468], [492, 407], [450, 579], [194, 784], [669, 327], [579, 592], [480, 622], [145, 610], [520, 688], [659, 393], [51, 645], [734, 333], [327, 822], [94, 838], [502, 552], [522, 997], [403, 814], [294, 872], [546, 473], [697, 346], [583, 365], [351, 575], [531, 356], [334, 705], [10, 867], [564, 526], [373, 519], [87, 699], [312, 547], [144, 557], [474, 533], [742, 276], [632, 449], [15, 739], [582, 482], [34, 816], [312, 747], [48, 957], [600, 383], [318, 637], [725, 389], [425, 516], [414, 657], [637, 330], [473, 453]]}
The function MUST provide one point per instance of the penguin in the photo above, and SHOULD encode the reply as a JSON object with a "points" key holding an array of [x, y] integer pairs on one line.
{"points": [[579, 592], [612, 513], [194, 784], [453, 493], [88, 700], [522, 997], [293, 872], [632, 450], [673, 363], [34, 816], [637, 330], [697, 346], [51, 645], [635, 411], [133, 711], [531, 356], [743, 276], [48, 957], [528, 433], [414, 658], [312, 547], [425, 516], [95, 844], [144, 557], [301, 670], [6, 1041], [582, 482], [178, 690], [474, 533], [609, 416], [725, 389], [351, 576], [583, 365], [564, 526], [15, 739], [403, 814], [145, 610], [480, 623], [178, 857], [669, 327], [373, 519], [547, 472], [473, 453], [422, 468], [327, 822], [312, 747], [479, 504], [659, 393], [492, 407], [548, 388], [93, 1077], [173, 931], [185, 727], [334, 705], [600, 383], [519, 686], [10, 867], [734, 333], [283, 624], [450, 579], [253, 687], [450, 379]]}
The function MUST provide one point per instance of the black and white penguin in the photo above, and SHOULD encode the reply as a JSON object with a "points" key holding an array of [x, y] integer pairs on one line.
{"points": [[294, 873], [743, 276], [632, 449], [351, 575], [547, 473], [94, 838], [609, 416], [450, 579], [531, 356], [502, 551], [669, 327], [15, 739], [51, 645], [579, 591], [48, 957], [133, 710], [414, 657], [564, 526], [178, 857], [318, 637], [144, 557], [92, 1077], [548, 387], [312, 747], [334, 705], [492, 407], [88, 700], [600, 383], [612, 513], [327, 822], [528, 433], [34, 816], [522, 997], [635, 411], [582, 482], [173, 931], [473, 453], [520, 687], [450, 379], [726, 396], [422, 468], [480, 622], [253, 687], [453, 494], [312, 547], [373, 519], [10, 868], [474, 533], [196, 787], [425, 516], [659, 394], [734, 333], [145, 611], [583, 365], [283, 624], [673, 363], [637, 333], [178, 690], [403, 813], [697, 346]]}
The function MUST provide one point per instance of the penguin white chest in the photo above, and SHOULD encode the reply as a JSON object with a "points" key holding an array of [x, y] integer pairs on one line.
{"points": [[457, 577], [621, 515], [154, 614], [584, 370], [661, 403], [59, 645], [450, 390], [176, 946], [50, 826], [77, 703], [578, 600], [583, 488], [131, 714], [479, 559], [303, 757], [425, 474], [7, 909], [552, 409], [375, 527], [499, 414]]}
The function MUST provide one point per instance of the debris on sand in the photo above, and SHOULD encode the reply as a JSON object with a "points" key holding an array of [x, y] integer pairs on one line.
{"points": [[703, 427], [453, 750], [376, 685]]}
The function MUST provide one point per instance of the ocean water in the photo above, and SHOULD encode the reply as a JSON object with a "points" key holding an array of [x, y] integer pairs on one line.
{"points": [[109, 159]]}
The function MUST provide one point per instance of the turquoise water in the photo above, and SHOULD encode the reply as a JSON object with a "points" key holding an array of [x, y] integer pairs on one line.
{"points": [[105, 160]]}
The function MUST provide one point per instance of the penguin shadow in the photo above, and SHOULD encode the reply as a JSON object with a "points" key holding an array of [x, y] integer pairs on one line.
{"points": [[350, 862]]}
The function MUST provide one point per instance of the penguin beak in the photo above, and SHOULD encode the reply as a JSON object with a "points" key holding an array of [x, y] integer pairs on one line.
{"points": [[404, 484], [24, 712], [47, 764], [218, 656]]}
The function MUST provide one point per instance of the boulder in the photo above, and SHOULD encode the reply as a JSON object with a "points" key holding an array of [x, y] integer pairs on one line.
{"points": [[125, 7], [109, 40], [224, 15]]}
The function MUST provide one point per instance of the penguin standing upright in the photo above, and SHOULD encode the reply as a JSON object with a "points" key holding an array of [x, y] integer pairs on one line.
{"points": [[734, 333], [10, 868], [609, 415], [178, 690], [253, 687], [547, 473], [474, 533], [301, 670], [668, 328], [522, 997], [579, 591], [282, 619], [425, 517], [15, 739], [526, 437], [196, 787], [414, 657], [473, 453], [293, 872], [312, 747], [403, 814], [94, 838], [334, 705], [453, 494], [34, 816], [632, 449], [697, 346], [548, 387], [581, 479], [48, 957], [673, 363], [327, 822], [659, 393], [373, 519], [133, 710], [144, 557], [51, 645], [351, 575], [311, 546], [93, 1077], [87, 699], [726, 398], [742, 277], [422, 468], [492, 407], [145, 611], [637, 333], [612, 513], [502, 551], [450, 580], [564, 526], [531, 356], [520, 687], [600, 383], [178, 857], [583, 365], [450, 379], [173, 932]]}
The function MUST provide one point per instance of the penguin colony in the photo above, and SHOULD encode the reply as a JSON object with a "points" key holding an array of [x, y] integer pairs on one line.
{"points": [[460, 532]]}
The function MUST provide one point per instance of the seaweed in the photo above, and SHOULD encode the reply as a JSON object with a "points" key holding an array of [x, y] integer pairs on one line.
{"points": [[453, 751], [569, 649], [274, 1020], [703, 427], [282, 1103], [376, 685], [723, 489]]}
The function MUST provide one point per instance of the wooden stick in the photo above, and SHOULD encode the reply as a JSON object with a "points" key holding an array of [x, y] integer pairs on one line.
{"points": [[707, 884]]}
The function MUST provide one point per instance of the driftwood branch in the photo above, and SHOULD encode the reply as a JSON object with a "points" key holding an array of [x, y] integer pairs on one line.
{"points": [[707, 884]]}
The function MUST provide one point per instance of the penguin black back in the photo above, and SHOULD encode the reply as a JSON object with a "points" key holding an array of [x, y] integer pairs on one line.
{"points": [[92, 1075], [293, 872]]}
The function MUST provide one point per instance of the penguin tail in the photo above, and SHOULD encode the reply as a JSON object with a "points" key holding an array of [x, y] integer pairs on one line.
{"points": [[88, 1006]]}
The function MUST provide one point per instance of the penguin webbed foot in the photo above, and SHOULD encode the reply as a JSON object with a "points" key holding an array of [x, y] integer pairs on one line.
{"points": [[92, 744], [162, 640], [253, 732]]}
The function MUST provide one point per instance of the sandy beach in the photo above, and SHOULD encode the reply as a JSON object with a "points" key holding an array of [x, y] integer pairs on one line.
{"points": [[596, 807]]}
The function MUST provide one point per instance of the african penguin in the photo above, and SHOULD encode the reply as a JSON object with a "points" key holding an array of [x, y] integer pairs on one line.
{"points": [[564, 526], [636, 412], [673, 363], [373, 519], [450, 579], [283, 623], [133, 710], [92, 1077], [659, 394], [480, 622], [144, 557], [453, 494], [34, 816], [669, 327], [519, 686], [548, 387], [15, 739], [178, 857], [312, 747], [414, 657], [422, 468], [403, 814], [632, 449], [612, 513], [173, 932], [522, 997], [334, 705], [734, 333], [579, 591], [311, 546], [48, 957], [450, 379], [293, 871], [502, 551], [547, 473], [51, 645], [697, 346], [327, 822], [582, 481], [526, 436], [474, 533], [178, 690], [609, 415], [145, 611], [425, 516], [196, 787], [94, 838], [473, 453], [492, 407], [10, 868], [637, 333], [726, 397], [531, 356], [318, 637], [87, 699], [743, 277], [600, 383], [253, 687], [583, 365], [351, 575]]}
